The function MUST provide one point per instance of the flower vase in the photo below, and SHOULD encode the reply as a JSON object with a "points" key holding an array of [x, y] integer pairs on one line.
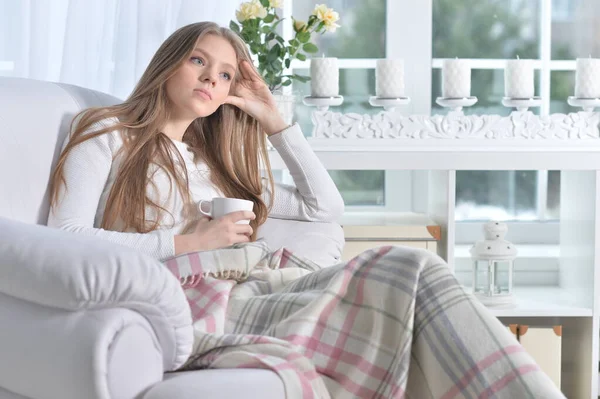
{"points": [[285, 105]]}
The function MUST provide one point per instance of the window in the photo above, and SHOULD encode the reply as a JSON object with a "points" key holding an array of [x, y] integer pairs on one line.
{"points": [[487, 32], [357, 44], [523, 195]]}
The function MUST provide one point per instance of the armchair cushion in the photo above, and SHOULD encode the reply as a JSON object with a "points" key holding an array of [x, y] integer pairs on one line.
{"points": [[320, 242]]}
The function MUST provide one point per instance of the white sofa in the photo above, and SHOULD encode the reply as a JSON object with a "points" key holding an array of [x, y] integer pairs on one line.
{"points": [[83, 318]]}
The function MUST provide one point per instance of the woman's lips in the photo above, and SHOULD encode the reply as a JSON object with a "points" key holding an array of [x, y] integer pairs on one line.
{"points": [[203, 94]]}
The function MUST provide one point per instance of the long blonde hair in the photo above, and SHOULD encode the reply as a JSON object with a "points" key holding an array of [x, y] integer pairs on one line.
{"points": [[229, 141]]}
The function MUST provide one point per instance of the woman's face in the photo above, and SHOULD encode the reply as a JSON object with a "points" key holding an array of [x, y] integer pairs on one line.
{"points": [[203, 81]]}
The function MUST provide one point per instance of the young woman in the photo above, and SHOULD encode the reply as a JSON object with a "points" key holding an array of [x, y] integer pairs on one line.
{"points": [[192, 129], [393, 322]]}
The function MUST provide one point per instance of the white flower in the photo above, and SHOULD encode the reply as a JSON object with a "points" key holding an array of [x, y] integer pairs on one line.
{"points": [[327, 16], [276, 3], [250, 10]]}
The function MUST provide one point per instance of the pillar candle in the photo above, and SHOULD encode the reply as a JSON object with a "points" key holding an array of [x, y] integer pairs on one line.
{"points": [[324, 77], [389, 78], [587, 81], [456, 78], [519, 79]]}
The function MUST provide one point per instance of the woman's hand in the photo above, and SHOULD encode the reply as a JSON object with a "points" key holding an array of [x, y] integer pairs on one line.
{"points": [[253, 97], [216, 233]]}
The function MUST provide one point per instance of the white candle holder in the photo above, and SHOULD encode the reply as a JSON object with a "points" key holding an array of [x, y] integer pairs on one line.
{"points": [[323, 103], [588, 104], [522, 104], [388, 104], [456, 104]]}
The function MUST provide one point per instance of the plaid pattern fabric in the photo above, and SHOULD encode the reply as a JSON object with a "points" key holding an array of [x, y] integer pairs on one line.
{"points": [[391, 323]]}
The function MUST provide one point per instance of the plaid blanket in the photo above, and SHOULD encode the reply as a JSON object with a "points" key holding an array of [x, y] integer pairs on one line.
{"points": [[391, 323]]}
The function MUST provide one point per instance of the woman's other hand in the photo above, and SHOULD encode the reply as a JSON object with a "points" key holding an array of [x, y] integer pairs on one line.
{"points": [[216, 233], [252, 96]]}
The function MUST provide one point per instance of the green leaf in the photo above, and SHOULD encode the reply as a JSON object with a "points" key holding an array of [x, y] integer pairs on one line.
{"points": [[277, 23], [269, 18], [288, 62], [294, 42], [287, 83], [304, 37], [310, 48], [301, 57], [301, 78], [276, 66], [255, 48], [234, 27], [265, 3], [273, 53]]}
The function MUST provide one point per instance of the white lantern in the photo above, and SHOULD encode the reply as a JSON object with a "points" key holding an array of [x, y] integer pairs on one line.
{"points": [[493, 263]]}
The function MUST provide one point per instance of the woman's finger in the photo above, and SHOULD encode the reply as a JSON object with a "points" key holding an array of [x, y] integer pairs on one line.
{"points": [[250, 73], [243, 229], [234, 100], [244, 70]]}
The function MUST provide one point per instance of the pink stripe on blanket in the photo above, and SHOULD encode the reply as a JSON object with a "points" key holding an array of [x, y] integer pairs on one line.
{"points": [[193, 260], [217, 300], [482, 365], [311, 374], [348, 322], [359, 362], [278, 365], [313, 344]]}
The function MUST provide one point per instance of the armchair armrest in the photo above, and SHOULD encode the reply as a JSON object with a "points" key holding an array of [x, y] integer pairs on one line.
{"points": [[54, 353], [76, 276]]}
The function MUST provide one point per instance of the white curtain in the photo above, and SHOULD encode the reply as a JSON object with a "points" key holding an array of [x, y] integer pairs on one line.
{"points": [[102, 44]]}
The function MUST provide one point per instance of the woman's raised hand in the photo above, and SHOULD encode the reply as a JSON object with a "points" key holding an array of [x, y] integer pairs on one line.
{"points": [[252, 96]]}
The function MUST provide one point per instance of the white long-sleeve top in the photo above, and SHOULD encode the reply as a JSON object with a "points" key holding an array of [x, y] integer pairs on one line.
{"points": [[91, 168]]}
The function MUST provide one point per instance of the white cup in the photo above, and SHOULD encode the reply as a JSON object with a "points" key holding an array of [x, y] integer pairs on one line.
{"points": [[219, 207]]}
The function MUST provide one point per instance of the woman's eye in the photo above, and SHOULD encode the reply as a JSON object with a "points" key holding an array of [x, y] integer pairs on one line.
{"points": [[197, 60], [226, 76]]}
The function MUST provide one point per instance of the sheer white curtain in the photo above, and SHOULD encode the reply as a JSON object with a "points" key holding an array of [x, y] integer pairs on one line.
{"points": [[103, 44]]}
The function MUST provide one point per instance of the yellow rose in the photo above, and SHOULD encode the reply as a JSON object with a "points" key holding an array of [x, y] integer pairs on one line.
{"points": [[299, 26], [250, 10], [276, 3], [327, 16]]}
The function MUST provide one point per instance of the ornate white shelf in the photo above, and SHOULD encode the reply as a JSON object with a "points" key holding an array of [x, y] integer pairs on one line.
{"points": [[456, 125], [520, 141]]}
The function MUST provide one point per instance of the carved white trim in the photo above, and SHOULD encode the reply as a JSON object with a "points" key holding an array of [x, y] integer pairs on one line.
{"points": [[456, 125]]}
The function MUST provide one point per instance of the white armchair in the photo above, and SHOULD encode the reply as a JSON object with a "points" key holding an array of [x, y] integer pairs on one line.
{"points": [[85, 318]]}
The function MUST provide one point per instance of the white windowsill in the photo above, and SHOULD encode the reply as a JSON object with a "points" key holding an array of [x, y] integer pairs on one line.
{"points": [[544, 302], [525, 251]]}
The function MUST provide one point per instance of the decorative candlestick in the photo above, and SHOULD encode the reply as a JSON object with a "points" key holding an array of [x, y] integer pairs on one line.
{"points": [[324, 77], [389, 78], [456, 79], [587, 81], [518, 79]]}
